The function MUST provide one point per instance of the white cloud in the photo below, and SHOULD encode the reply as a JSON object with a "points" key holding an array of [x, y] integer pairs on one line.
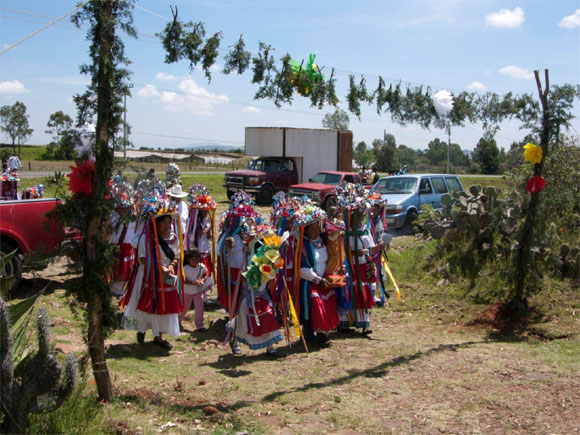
{"points": [[517, 72], [476, 86], [425, 21], [251, 109], [148, 91], [12, 87], [487, 72], [67, 80], [192, 98], [571, 21], [506, 19], [282, 122], [165, 77]]}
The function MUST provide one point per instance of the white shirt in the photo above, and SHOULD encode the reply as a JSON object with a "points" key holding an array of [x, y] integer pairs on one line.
{"points": [[320, 259], [364, 242], [183, 212], [193, 274], [14, 163], [203, 238], [117, 229]]}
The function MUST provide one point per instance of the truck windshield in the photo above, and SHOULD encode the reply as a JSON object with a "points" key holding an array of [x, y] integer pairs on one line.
{"points": [[324, 178], [264, 165], [396, 184]]}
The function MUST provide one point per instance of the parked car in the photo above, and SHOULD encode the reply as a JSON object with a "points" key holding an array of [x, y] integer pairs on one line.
{"points": [[264, 177], [23, 227], [405, 194], [320, 188]]}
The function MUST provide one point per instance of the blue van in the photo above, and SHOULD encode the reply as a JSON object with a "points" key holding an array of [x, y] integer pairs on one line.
{"points": [[405, 194]]}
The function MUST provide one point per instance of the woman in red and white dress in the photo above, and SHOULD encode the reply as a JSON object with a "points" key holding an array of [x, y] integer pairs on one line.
{"points": [[155, 295]]}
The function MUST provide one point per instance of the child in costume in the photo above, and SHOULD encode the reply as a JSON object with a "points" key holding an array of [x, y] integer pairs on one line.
{"points": [[255, 322], [317, 302], [199, 233], [378, 230], [360, 248], [155, 293], [195, 277], [230, 247], [123, 229]]}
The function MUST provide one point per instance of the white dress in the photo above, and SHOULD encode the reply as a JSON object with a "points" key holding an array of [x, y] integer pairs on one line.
{"points": [[133, 318]]}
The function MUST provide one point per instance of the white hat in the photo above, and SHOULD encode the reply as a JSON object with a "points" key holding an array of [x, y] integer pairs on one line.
{"points": [[177, 191]]}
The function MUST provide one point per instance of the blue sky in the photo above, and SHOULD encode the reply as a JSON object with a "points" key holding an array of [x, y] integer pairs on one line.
{"points": [[483, 45]]}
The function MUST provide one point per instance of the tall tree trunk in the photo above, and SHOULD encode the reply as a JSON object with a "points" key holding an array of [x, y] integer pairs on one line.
{"points": [[524, 259], [103, 170]]}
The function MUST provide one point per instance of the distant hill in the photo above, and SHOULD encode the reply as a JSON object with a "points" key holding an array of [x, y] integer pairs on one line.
{"points": [[212, 147]]}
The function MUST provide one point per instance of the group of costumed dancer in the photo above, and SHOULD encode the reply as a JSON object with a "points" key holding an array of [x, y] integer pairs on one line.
{"points": [[299, 277]]}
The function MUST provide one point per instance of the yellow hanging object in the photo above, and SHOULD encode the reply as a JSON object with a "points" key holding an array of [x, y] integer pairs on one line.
{"points": [[293, 314], [388, 269]]}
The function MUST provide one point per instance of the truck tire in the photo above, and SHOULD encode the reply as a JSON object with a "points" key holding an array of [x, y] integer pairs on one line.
{"points": [[408, 228], [329, 202], [266, 194], [230, 193], [13, 268]]}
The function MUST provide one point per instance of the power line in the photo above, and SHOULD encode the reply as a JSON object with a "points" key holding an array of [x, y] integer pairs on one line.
{"points": [[43, 28]]}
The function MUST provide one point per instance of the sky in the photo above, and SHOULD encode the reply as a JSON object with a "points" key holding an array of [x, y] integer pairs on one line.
{"points": [[454, 45]]}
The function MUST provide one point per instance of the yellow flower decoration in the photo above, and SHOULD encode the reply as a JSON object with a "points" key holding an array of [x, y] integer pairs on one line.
{"points": [[272, 254], [268, 272], [532, 153], [272, 240], [260, 259]]}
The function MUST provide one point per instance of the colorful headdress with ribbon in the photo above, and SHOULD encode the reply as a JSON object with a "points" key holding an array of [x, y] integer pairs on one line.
{"points": [[122, 194], [353, 197], [152, 198], [308, 213], [9, 175], [34, 192], [199, 197], [267, 261]]}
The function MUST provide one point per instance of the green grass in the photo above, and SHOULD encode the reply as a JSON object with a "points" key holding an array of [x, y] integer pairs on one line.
{"points": [[27, 152], [484, 181]]}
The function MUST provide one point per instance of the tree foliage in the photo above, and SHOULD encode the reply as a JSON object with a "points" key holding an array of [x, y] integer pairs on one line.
{"points": [[362, 155], [338, 120], [14, 122], [65, 137], [486, 154]]}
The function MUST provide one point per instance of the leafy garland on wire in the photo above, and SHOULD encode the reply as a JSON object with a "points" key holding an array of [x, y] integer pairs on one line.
{"points": [[276, 80]]}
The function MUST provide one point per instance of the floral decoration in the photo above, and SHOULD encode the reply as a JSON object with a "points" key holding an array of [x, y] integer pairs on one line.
{"points": [[532, 153]]}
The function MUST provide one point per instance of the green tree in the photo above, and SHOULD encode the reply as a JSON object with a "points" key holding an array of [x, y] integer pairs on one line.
{"points": [[408, 156], [338, 120], [65, 137], [436, 151], [386, 154], [14, 122], [362, 155], [486, 154]]}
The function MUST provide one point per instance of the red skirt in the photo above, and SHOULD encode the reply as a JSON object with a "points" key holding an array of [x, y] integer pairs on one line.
{"points": [[364, 298], [223, 294], [166, 301], [324, 315], [206, 260], [124, 262], [266, 316]]}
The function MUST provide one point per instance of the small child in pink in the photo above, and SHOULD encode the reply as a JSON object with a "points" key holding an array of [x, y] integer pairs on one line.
{"points": [[195, 285]]}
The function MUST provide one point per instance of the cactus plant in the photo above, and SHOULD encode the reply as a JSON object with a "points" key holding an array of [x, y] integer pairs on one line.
{"points": [[34, 384]]}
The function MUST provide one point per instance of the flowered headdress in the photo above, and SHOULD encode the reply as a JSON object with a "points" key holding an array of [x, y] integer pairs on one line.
{"points": [[34, 192], [9, 175], [308, 213], [353, 197], [152, 198], [122, 194], [199, 197]]}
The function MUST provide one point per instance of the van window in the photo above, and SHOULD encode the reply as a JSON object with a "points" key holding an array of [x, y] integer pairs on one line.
{"points": [[425, 186], [439, 185], [453, 184], [396, 185]]}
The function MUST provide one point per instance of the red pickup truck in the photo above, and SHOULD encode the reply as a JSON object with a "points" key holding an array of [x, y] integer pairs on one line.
{"points": [[264, 177], [320, 188], [24, 227]]}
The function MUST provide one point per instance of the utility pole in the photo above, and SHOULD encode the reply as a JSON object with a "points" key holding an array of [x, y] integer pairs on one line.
{"points": [[448, 143], [125, 133]]}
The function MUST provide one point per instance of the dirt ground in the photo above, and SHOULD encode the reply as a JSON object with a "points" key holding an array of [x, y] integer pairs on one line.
{"points": [[428, 367]]}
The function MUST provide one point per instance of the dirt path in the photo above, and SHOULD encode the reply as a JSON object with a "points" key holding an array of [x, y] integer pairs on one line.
{"points": [[417, 373]]}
